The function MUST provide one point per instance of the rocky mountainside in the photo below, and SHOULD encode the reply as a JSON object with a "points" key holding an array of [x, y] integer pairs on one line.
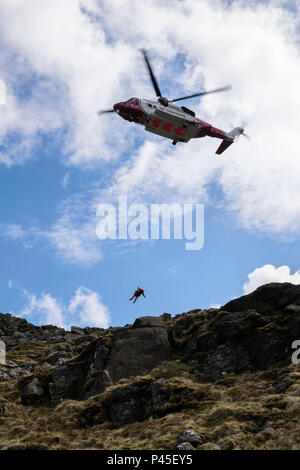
{"points": [[208, 379]]}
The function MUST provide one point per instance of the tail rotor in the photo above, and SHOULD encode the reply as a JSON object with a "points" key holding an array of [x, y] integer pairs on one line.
{"points": [[231, 137], [246, 136], [236, 132]]}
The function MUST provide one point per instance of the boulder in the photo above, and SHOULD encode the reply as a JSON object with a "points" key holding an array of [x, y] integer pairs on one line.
{"points": [[227, 357], [137, 350], [130, 403], [50, 328], [293, 308], [267, 299], [190, 436], [4, 407], [15, 372], [33, 392], [185, 446], [166, 316], [58, 357], [143, 322], [237, 325], [77, 331], [64, 382]]}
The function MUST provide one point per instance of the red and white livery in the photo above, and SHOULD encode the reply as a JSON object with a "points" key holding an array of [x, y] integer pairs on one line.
{"points": [[164, 118]]}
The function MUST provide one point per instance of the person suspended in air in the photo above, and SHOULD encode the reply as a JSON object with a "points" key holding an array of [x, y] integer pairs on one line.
{"points": [[137, 293]]}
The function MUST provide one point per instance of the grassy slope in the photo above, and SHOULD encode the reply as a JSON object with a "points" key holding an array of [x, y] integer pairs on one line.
{"points": [[231, 413]]}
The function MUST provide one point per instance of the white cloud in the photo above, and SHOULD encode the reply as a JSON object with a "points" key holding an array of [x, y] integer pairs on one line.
{"points": [[90, 60], [65, 181], [15, 231], [269, 273], [87, 306], [61, 51], [45, 309], [254, 48], [74, 241], [84, 309], [72, 236]]}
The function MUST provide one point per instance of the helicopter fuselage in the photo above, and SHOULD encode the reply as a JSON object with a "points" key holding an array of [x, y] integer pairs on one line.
{"points": [[173, 122], [164, 118]]}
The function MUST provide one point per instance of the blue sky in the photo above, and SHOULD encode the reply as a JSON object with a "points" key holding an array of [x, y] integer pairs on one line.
{"points": [[58, 160]]}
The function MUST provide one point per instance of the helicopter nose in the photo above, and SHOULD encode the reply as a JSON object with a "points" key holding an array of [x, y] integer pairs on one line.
{"points": [[116, 107]]}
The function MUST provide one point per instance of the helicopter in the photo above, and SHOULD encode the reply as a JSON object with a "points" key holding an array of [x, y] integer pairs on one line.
{"points": [[166, 119]]}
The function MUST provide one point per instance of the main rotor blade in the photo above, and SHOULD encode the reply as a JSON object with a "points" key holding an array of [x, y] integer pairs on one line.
{"points": [[104, 111], [202, 94], [152, 76]]}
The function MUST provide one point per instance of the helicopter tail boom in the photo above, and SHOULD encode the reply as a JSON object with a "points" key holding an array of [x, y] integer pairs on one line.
{"points": [[223, 146], [230, 138]]}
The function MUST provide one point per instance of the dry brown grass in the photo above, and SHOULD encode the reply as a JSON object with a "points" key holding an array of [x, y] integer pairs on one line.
{"points": [[231, 413]]}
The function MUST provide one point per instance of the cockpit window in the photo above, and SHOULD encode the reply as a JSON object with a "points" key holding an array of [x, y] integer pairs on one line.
{"points": [[133, 100]]}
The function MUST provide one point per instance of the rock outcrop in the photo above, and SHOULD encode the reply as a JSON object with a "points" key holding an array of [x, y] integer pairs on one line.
{"points": [[249, 333], [268, 299], [201, 365], [125, 352], [15, 331]]}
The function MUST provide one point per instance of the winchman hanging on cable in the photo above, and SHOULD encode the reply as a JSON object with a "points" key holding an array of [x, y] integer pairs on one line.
{"points": [[137, 293]]}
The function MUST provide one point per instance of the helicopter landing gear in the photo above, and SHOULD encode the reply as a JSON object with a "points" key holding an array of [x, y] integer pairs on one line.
{"points": [[174, 142], [184, 125]]}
